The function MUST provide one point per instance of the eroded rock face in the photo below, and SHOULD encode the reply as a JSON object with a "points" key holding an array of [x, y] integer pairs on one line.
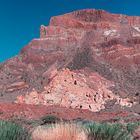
{"points": [[101, 50], [75, 90]]}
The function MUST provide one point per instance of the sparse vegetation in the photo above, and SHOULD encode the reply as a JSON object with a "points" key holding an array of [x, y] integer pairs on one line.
{"points": [[132, 126], [12, 131], [106, 131], [54, 129]]}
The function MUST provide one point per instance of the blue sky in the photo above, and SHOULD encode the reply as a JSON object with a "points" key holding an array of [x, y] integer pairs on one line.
{"points": [[20, 20]]}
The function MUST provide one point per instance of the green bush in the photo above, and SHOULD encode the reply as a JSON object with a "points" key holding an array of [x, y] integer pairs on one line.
{"points": [[106, 131], [49, 119], [132, 126], [12, 131]]}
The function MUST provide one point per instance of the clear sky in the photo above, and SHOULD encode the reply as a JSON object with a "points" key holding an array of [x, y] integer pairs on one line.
{"points": [[20, 20]]}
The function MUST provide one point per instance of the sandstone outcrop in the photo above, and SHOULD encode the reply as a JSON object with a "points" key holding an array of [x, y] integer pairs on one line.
{"points": [[75, 90]]}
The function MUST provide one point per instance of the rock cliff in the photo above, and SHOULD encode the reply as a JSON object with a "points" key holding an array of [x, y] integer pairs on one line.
{"points": [[84, 59]]}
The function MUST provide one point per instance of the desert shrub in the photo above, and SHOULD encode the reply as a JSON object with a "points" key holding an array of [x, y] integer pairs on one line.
{"points": [[132, 126], [61, 131], [89, 130], [46, 120], [49, 119], [12, 131], [106, 131]]}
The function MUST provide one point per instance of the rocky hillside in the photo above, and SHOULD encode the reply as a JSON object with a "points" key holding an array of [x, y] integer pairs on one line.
{"points": [[88, 59]]}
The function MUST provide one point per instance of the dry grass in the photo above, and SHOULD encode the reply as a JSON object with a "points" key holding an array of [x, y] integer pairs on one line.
{"points": [[62, 131]]}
